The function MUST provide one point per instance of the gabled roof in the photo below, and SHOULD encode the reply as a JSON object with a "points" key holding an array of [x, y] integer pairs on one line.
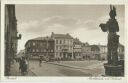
{"points": [[77, 41], [85, 44], [95, 48], [102, 45], [42, 38], [66, 36]]}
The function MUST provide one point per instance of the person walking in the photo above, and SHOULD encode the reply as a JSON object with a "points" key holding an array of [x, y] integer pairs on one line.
{"points": [[24, 66], [20, 64], [40, 61]]}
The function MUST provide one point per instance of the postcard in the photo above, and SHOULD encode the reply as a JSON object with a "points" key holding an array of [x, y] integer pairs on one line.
{"points": [[63, 41]]}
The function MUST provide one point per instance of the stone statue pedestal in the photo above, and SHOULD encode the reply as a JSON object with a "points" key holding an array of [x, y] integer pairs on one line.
{"points": [[111, 70]]}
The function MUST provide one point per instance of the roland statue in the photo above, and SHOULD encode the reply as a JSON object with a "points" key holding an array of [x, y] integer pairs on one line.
{"points": [[111, 27]]}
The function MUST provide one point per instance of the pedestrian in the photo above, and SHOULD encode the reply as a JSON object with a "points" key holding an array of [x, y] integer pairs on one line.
{"points": [[20, 63], [24, 66], [40, 61]]}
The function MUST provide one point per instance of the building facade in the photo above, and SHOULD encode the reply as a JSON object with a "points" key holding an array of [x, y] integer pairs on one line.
{"points": [[63, 46], [103, 52], [11, 36], [40, 47], [121, 51], [77, 49], [90, 52], [58, 47], [86, 51], [95, 52]]}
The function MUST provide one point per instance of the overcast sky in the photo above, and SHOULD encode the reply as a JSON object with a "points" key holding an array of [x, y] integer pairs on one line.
{"points": [[81, 21]]}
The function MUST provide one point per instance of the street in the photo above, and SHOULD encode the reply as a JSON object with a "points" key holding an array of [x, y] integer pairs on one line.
{"points": [[67, 68], [62, 68]]}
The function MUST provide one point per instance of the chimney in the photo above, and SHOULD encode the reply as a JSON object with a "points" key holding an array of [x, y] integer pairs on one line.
{"points": [[67, 33], [52, 33]]}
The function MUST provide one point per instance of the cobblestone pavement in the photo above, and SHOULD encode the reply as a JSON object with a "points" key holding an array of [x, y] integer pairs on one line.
{"points": [[67, 68]]}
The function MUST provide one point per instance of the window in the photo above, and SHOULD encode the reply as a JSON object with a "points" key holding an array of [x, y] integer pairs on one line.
{"points": [[44, 50], [41, 44], [68, 41], [33, 50], [34, 44], [41, 50], [64, 41], [37, 50], [51, 50], [60, 41], [56, 47], [69, 48], [56, 41]]}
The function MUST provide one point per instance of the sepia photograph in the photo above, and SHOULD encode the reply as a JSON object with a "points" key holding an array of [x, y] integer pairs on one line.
{"points": [[64, 40]]}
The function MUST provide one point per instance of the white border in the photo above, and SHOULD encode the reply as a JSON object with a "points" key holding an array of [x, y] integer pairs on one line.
{"points": [[63, 79]]}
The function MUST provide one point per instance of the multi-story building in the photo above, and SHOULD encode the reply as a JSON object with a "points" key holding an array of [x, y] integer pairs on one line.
{"points": [[40, 47], [103, 52], [77, 49], [86, 51], [121, 51], [63, 46], [95, 52], [90, 52], [11, 38]]}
